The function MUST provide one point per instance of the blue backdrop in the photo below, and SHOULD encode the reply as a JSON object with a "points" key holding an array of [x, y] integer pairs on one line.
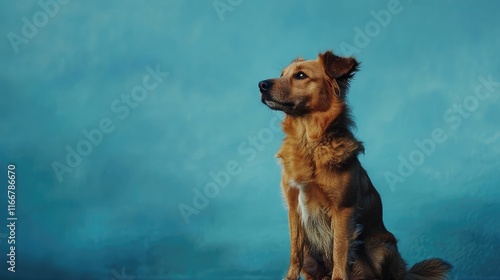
{"points": [[142, 151]]}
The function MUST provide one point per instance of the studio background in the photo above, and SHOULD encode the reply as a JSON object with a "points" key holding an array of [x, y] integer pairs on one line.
{"points": [[117, 212]]}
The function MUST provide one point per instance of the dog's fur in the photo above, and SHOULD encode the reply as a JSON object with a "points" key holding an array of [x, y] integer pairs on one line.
{"points": [[334, 211]]}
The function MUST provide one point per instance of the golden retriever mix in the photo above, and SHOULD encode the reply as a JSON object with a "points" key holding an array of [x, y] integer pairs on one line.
{"points": [[334, 211]]}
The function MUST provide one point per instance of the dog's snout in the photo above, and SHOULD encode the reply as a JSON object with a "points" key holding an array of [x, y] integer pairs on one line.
{"points": [[265, 86]]}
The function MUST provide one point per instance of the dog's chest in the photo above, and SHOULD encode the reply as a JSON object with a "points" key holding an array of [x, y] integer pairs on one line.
{"points": [[315, 220], [300, 166], [298, 163]]}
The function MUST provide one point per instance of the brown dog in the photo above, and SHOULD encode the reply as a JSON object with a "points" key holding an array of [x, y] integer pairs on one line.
{"points": [[334, 211]]}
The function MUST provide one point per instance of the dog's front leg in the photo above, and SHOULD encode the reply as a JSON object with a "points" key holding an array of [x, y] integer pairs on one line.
{"points": [[341, 225], [296, 237]]}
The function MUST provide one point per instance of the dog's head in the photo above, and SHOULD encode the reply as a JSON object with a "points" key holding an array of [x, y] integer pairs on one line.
{"points": [[308, 86]]}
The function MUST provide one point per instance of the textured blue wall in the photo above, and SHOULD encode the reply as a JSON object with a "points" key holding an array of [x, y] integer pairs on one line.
{"points": [[167, 91]]}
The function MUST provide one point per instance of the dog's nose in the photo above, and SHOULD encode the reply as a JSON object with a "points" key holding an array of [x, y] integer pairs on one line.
{"points": [[265, 86]]}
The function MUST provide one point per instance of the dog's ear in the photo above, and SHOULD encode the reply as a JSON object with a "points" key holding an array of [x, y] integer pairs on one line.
{"points": [[338, 67], [342, 69]]}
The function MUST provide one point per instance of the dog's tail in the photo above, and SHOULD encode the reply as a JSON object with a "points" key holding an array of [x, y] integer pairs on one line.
{"points": [[431, 269]]}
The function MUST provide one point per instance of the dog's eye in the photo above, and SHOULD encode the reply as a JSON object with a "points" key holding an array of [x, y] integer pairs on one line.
{"points": [[300, 75]]}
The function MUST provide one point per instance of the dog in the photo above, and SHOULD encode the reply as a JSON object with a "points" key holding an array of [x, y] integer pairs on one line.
{"points": [[334, 211]]}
